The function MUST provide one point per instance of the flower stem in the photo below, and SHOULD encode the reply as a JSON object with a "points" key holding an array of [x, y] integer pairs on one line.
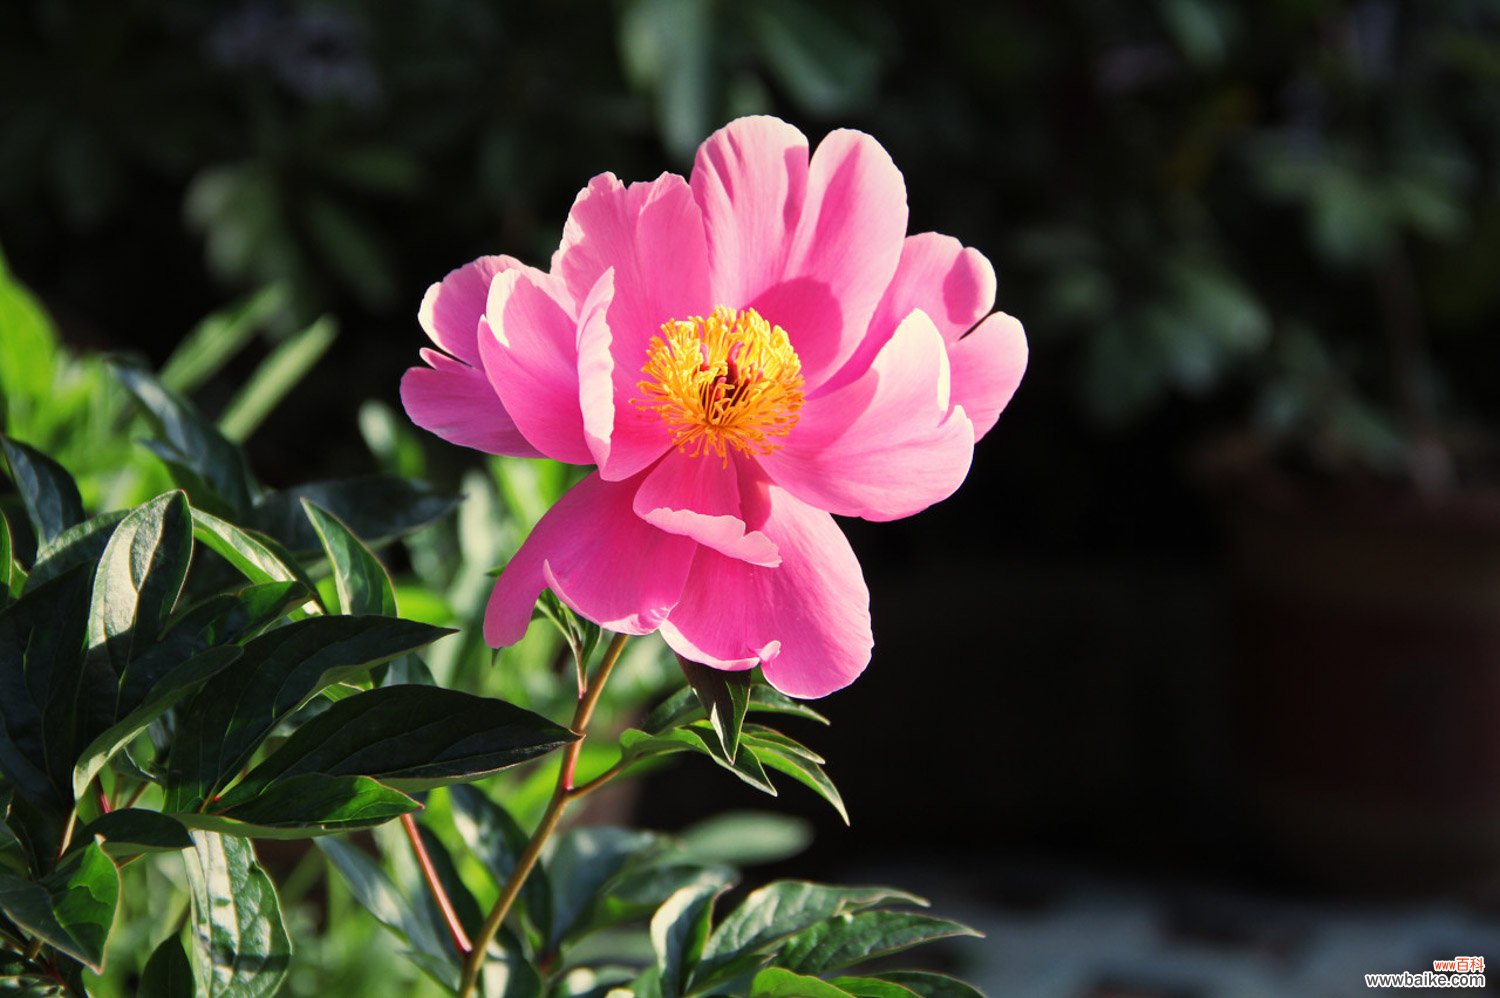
{"points": [[429, 873], [562, 794]]}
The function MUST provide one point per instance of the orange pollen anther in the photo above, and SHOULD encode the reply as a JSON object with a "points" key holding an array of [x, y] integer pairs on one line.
{"points": [[729, 380]]}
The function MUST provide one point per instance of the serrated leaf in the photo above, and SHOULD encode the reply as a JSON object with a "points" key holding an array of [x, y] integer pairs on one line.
{"points": [[139, 577], [799, 768], [725, 697], [47, 490], [929, 985], [282, 368], [680, 928], [854, 938], [167, 691], [257, 557], [240, 946], [377, 508], [81, 544], [279, 672], [410, 737], [196, 443], [775, 982], [133, 830], [167, 974], [361, 581], [73, 909]]}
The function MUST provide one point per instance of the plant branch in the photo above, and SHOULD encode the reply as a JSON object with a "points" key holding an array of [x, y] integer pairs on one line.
{"points": [[435, 885], [562, 794]]}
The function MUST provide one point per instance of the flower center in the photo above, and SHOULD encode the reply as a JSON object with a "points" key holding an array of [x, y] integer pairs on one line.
{"points": [[729, 380]]}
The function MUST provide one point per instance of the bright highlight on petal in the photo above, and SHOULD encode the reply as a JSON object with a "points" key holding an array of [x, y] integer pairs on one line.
{"points": [[729, 380]]}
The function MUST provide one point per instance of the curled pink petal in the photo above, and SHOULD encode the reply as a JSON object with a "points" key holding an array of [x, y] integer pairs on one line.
{"points": [[456, 402], [807, 622], [987, 369], [700, 498], [599, 558], [532, 363], [451, 308], [887, 445]]}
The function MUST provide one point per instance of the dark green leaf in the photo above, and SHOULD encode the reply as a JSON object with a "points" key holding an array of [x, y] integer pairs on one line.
{"points": [[584, 861], [280, 671], [139, 578], [373, 888], [680, 928], [73, 909], [873, 987], [725, 696], [197, 443], [824, 66], [797, 765], [929, 985], [168, 974], [781, 909], [464, 905], [161, 695], [361, 581], [764, 698], [747, 838], [377, 508], [842, 942], [701, 739], [498, 841], [412, 737], [681, 706], [774, 982], [314, 803], [6, 560], [240, 947], [257, 557], [47, 490], [133, 830], [81, 544], [41, 667]]}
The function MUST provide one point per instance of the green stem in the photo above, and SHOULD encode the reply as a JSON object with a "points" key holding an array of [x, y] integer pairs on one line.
{"points": [[562, 794]]}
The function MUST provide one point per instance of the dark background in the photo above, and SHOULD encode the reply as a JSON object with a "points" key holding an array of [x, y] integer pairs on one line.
{"points": [[1256, 247]]}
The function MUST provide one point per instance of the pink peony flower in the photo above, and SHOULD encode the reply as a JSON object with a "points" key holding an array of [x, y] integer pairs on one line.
{"points": [[741, 354]]}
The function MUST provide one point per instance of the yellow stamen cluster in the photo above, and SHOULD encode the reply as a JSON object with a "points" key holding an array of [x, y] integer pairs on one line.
{"points": [[729, 380]]}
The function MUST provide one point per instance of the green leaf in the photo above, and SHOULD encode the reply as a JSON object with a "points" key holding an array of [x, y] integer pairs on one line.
{"points": [[583, 862], [825, 67], [133, 830], [73, 909], [194, 442], [162, 694], [139, 578], [275, 377], [361, 581], [309, 803], [280, 671], [639, 745], [379, 895], [216, 340], [240, 947], [6, 560], [168, 974], [257, 557], [47, 490], [377, 508], [725, 696], [843, 942], [929, 985], [774, 982], [81, 544], [782, 909], [41, 667], [747, 838], [799, 765], [680, 928], [765, 699], [497, 840], [873, 987], [411, 737]]}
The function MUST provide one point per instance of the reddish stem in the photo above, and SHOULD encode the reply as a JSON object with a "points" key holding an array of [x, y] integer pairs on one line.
{"points": [[429, 873]]}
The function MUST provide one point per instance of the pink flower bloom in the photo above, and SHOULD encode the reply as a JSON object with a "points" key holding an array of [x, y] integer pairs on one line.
{"points": [[741, 354]]}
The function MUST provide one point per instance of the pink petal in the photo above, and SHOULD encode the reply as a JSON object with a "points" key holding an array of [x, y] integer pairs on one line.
{"points": [[699, 497], [807, 622], [456, 402], [651, 236], [599, 558], [750, 180], [451, 308], [987, 368], [844, 251], [530, 357], [887, 445]]}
